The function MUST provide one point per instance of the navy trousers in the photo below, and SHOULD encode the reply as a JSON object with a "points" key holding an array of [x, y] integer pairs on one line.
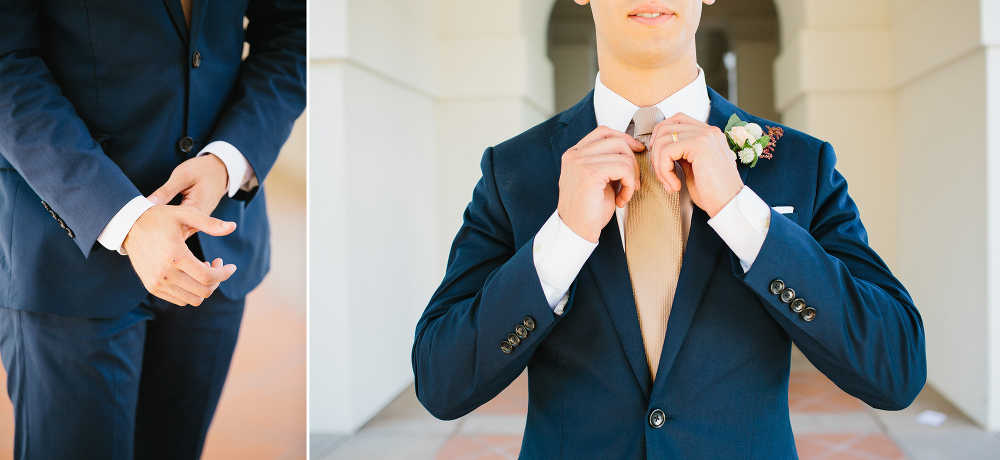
{"points": [[142, 385]]}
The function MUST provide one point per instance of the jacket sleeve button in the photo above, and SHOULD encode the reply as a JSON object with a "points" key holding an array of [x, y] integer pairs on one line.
{"points": [[787, 295]]}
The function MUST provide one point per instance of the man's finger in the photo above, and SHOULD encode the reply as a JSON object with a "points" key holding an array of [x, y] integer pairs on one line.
{"points": [[611, 145], [603, 132], [174, 185], [169, 298], [198, 221], [663, 166], [188, 298], [206, 276], [187, 283], [682, 119], [663, 170], [629, 184], [665, 128], [217, 263]]}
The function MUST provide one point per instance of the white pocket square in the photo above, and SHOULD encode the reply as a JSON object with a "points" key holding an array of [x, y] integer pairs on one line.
{"points": [[783, 209]]}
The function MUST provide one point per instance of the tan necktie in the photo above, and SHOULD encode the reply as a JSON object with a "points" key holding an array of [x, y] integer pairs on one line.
{"points": [[186, 5], [653, 244]]}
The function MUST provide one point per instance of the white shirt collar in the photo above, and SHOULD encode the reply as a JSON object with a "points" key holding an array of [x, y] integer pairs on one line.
{"points": [[616, 112]]}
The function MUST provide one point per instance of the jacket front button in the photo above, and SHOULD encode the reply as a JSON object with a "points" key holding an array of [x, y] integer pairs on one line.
{"points": [[196, 60], [656, 418], [185, 144]]}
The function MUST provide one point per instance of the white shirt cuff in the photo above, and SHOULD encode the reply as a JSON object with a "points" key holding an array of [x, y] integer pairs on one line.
{"points": [[559, 254], [115, 232], [743, 225], [237, 165]]}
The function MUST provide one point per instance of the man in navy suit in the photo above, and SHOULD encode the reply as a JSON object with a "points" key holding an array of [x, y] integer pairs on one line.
{"points": [[125, 125], [544, 273]]}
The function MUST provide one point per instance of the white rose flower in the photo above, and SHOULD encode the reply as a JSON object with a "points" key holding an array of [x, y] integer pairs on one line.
{"points": [[755, 130], [747, 156], [759, 149], [740, 136]]}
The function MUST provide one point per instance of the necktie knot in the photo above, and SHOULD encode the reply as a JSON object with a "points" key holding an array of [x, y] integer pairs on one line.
{"points": [[645, 119]]}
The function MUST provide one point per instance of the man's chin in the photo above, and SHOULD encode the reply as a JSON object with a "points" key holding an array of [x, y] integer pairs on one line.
{"points": [[653, 57]]}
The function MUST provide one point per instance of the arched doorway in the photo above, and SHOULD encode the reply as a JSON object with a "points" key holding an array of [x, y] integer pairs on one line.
{"points": [[737, 45]]}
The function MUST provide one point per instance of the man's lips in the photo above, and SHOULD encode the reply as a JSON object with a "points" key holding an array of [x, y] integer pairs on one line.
{"points": [[651, 19], [651, 14]]}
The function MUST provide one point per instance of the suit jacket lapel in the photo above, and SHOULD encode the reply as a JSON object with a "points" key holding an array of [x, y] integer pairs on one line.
{"points": [[700, 258], [608, 267], [607, 264], [177, 15], [578, 121], [197, 18]]}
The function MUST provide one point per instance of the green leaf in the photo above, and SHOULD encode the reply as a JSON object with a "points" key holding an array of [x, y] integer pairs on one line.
{"points": [[763, 141], [733, 120], [742, 123], [754, 163]]}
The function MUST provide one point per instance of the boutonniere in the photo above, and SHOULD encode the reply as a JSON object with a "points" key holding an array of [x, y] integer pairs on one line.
{"points": [[748, 141]]}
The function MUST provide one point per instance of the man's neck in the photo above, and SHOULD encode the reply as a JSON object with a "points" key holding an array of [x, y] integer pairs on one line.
{"points": [[646, 87]]}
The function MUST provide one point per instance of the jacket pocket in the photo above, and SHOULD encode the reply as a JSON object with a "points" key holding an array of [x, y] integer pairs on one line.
{"points": [[104, 140]]}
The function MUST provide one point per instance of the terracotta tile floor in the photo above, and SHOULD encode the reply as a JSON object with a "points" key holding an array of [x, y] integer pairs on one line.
{"points": [[262, 413], [828, 425]]}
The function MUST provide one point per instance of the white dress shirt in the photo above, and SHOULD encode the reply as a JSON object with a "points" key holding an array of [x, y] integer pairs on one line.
{"points": [[559, 253], [237, 165]]}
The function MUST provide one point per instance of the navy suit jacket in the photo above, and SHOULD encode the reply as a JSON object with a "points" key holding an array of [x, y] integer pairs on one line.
{"points": [[95, 98], [722, 381]]}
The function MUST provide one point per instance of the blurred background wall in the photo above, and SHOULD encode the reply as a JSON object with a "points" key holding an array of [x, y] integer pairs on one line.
{"points": [[406, 96]]}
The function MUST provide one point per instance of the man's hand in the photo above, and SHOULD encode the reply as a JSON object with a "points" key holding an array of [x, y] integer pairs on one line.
{"points": [[701, 149], [201, 180], [166, 266], [589, 182]]}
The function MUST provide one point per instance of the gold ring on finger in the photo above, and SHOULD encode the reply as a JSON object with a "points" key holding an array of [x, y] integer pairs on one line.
{"points": [[675, 136]]}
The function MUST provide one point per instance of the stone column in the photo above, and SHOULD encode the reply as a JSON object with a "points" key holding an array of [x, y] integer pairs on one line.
{"points": [[833, 80], [372, 194], [495, 81]]}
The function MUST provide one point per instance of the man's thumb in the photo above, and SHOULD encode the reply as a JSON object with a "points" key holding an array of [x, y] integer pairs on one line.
{"points": [[197, 220], [167, 191]]}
